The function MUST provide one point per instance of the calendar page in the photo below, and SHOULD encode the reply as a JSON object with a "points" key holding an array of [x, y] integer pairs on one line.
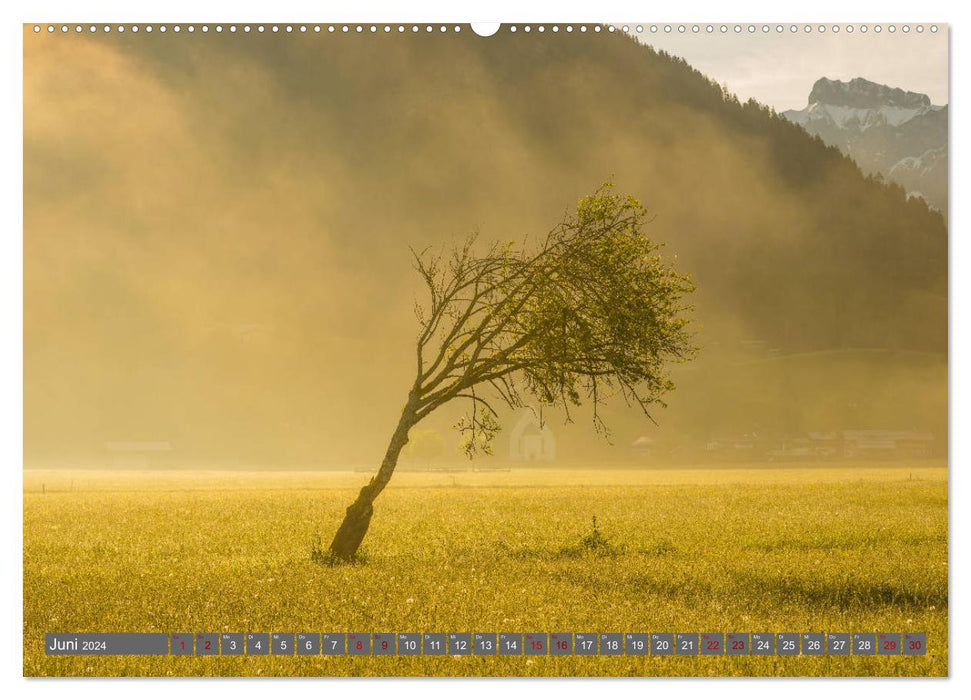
{"points": [[550, 349]]}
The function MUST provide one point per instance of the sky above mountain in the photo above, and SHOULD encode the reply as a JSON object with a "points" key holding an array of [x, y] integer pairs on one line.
{"points": [[778, 69]]}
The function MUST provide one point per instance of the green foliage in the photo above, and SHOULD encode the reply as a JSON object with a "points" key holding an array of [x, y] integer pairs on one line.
{"points": [[608, 311], [587, 312]]}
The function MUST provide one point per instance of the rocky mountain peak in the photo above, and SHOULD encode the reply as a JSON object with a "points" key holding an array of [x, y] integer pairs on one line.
{"points": [[863, 94]]}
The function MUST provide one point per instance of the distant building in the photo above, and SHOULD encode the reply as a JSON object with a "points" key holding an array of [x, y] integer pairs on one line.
{"points": [[735, 446], [855, 444], [139, 455], [531, 441], [887, 443], [826, 444]]}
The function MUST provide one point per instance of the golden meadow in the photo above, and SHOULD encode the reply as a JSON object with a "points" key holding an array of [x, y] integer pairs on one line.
{"points": [[849, 548]]}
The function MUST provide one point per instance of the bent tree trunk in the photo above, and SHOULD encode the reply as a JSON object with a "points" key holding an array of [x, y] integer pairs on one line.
{"points": [[358, 515]]}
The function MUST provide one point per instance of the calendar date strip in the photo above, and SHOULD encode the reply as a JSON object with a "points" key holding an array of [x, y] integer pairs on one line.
{"points": [[488, 644]]}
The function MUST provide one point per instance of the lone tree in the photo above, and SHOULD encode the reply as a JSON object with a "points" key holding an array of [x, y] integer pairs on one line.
{"points": [[587, 312]]}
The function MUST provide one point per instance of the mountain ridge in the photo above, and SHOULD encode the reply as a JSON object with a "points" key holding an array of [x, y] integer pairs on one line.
{"points": [[863, 93], [897, 134]]}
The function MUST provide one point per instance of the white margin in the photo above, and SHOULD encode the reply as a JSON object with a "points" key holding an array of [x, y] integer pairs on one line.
{"points": [[604, 11]]}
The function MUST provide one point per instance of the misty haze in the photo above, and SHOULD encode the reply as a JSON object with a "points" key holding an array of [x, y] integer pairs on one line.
{"points": [[225, 269]]}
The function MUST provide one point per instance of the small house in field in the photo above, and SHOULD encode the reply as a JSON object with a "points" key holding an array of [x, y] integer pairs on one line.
{"points": [[139, 455], [531, 440]]}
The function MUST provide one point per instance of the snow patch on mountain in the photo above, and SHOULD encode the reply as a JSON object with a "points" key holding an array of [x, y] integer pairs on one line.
{"points": [[893, 132], [918, 166], [855, 117]]}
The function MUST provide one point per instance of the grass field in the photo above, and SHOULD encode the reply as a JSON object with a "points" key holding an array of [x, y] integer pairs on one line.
{"points": [[859, 548]]}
